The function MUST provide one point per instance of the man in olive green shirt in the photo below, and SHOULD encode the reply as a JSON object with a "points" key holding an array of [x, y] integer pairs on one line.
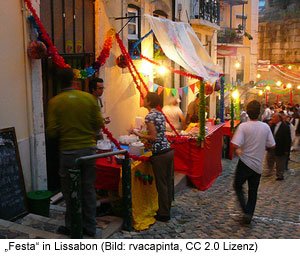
{"points": [[74, 118]]}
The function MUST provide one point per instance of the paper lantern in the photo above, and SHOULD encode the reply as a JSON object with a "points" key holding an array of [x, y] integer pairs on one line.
{"points": [[37, 50], [208, 89], [121, 61]]}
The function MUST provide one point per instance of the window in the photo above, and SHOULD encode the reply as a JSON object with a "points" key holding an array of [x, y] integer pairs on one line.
{"points": [[221, 64], [133, 31], [240, 72], [208, 44], [133, 28], [70, 24]]}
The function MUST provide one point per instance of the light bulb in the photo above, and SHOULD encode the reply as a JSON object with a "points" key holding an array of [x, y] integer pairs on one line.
{"points": [[278, 83], [237, 65], [235, 94], [146, 67], [289, 85], [162, 70]]}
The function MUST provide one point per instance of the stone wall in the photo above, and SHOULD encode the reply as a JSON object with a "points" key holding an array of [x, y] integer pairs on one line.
{"points": [[279, 41]]}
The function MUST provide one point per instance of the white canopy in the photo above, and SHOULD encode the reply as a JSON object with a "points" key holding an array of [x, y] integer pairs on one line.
{"points": [[181, 44]]}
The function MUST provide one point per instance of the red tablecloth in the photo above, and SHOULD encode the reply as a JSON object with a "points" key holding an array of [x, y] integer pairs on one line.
{"points": [[201, 164], [107, 174], [227, 132], [226, 128]]}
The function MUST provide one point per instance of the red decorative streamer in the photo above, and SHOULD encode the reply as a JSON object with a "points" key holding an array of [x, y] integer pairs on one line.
{"points": [[52, 50], [117, 144], [287, 71], [101, 60], [130, 62], [167, 120], [180, 72]]}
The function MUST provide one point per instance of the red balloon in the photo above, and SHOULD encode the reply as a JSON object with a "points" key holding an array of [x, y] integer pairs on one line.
{"points": [[37, 50]]}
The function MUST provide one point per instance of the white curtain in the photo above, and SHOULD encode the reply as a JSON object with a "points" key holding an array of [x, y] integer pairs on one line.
{"points": [[181, 44]]}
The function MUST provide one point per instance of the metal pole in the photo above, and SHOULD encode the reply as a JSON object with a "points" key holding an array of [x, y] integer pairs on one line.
{"points": [[222, 99], [75, 191]]}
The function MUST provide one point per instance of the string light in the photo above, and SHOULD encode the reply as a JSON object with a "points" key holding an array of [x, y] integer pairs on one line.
{"points": [[289, 85], [278, 83], [289, 67], [235, 94], [237, 65], [162, 70], [268, 88], [260, 92], [298, 87], [146, 67], [258, 76]]}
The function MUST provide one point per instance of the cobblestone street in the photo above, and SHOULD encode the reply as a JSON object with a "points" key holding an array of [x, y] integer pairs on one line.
{"points": [[213, 213]]}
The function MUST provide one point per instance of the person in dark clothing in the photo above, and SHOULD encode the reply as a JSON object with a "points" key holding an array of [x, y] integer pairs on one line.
{"points": [[162, 159], [279, 154]]}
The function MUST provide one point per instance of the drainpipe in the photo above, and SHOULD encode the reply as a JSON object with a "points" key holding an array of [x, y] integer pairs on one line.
{"points": [[27, 83], [34, 108]]}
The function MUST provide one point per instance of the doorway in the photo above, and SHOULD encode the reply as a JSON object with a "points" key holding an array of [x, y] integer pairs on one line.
{"points": [[71, 26]]}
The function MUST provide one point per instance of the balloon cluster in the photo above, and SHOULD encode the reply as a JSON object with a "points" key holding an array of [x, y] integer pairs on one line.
{"points": [[143, 177], [52, 50], [36, 50]]}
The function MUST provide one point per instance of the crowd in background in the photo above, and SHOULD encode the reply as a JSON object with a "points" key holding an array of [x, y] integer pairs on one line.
{"points": [[288, 114]]}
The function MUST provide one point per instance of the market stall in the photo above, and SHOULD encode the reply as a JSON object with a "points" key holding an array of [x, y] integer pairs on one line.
{"points": [[228, 134], [143, 190], [202, 164]]}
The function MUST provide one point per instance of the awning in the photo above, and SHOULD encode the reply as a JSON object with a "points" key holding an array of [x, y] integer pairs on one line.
{"points": [[181, 44], [223, 51]]}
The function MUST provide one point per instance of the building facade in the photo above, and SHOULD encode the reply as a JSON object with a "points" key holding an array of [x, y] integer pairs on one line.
{"points": [[78, 29]]}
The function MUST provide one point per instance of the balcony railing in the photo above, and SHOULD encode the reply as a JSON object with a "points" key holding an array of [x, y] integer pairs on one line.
{"points": [[208, 10], [230, 36]]}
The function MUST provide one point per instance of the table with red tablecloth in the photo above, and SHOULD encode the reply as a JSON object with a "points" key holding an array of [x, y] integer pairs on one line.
{"points": [[201, 163], [143, 193], [228, 133]]}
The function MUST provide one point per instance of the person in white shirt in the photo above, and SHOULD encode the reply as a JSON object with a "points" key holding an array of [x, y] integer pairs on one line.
{"points": [[174, 114], [250, 141], [266, 116]]}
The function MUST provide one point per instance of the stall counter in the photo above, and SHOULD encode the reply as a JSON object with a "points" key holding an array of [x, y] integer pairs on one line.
{"points": [[202, 164], [143, 193]]}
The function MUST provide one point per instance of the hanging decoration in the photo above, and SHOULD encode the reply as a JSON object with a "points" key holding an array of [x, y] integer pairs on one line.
{"points": [[117, 144], [201, 136], [52, 50], [222, 86], [180, 72], [231, 113], [101, 59], [121, 61], [208, 89], [217, 85], [132, 68], [144, 177], [37, 50]]}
